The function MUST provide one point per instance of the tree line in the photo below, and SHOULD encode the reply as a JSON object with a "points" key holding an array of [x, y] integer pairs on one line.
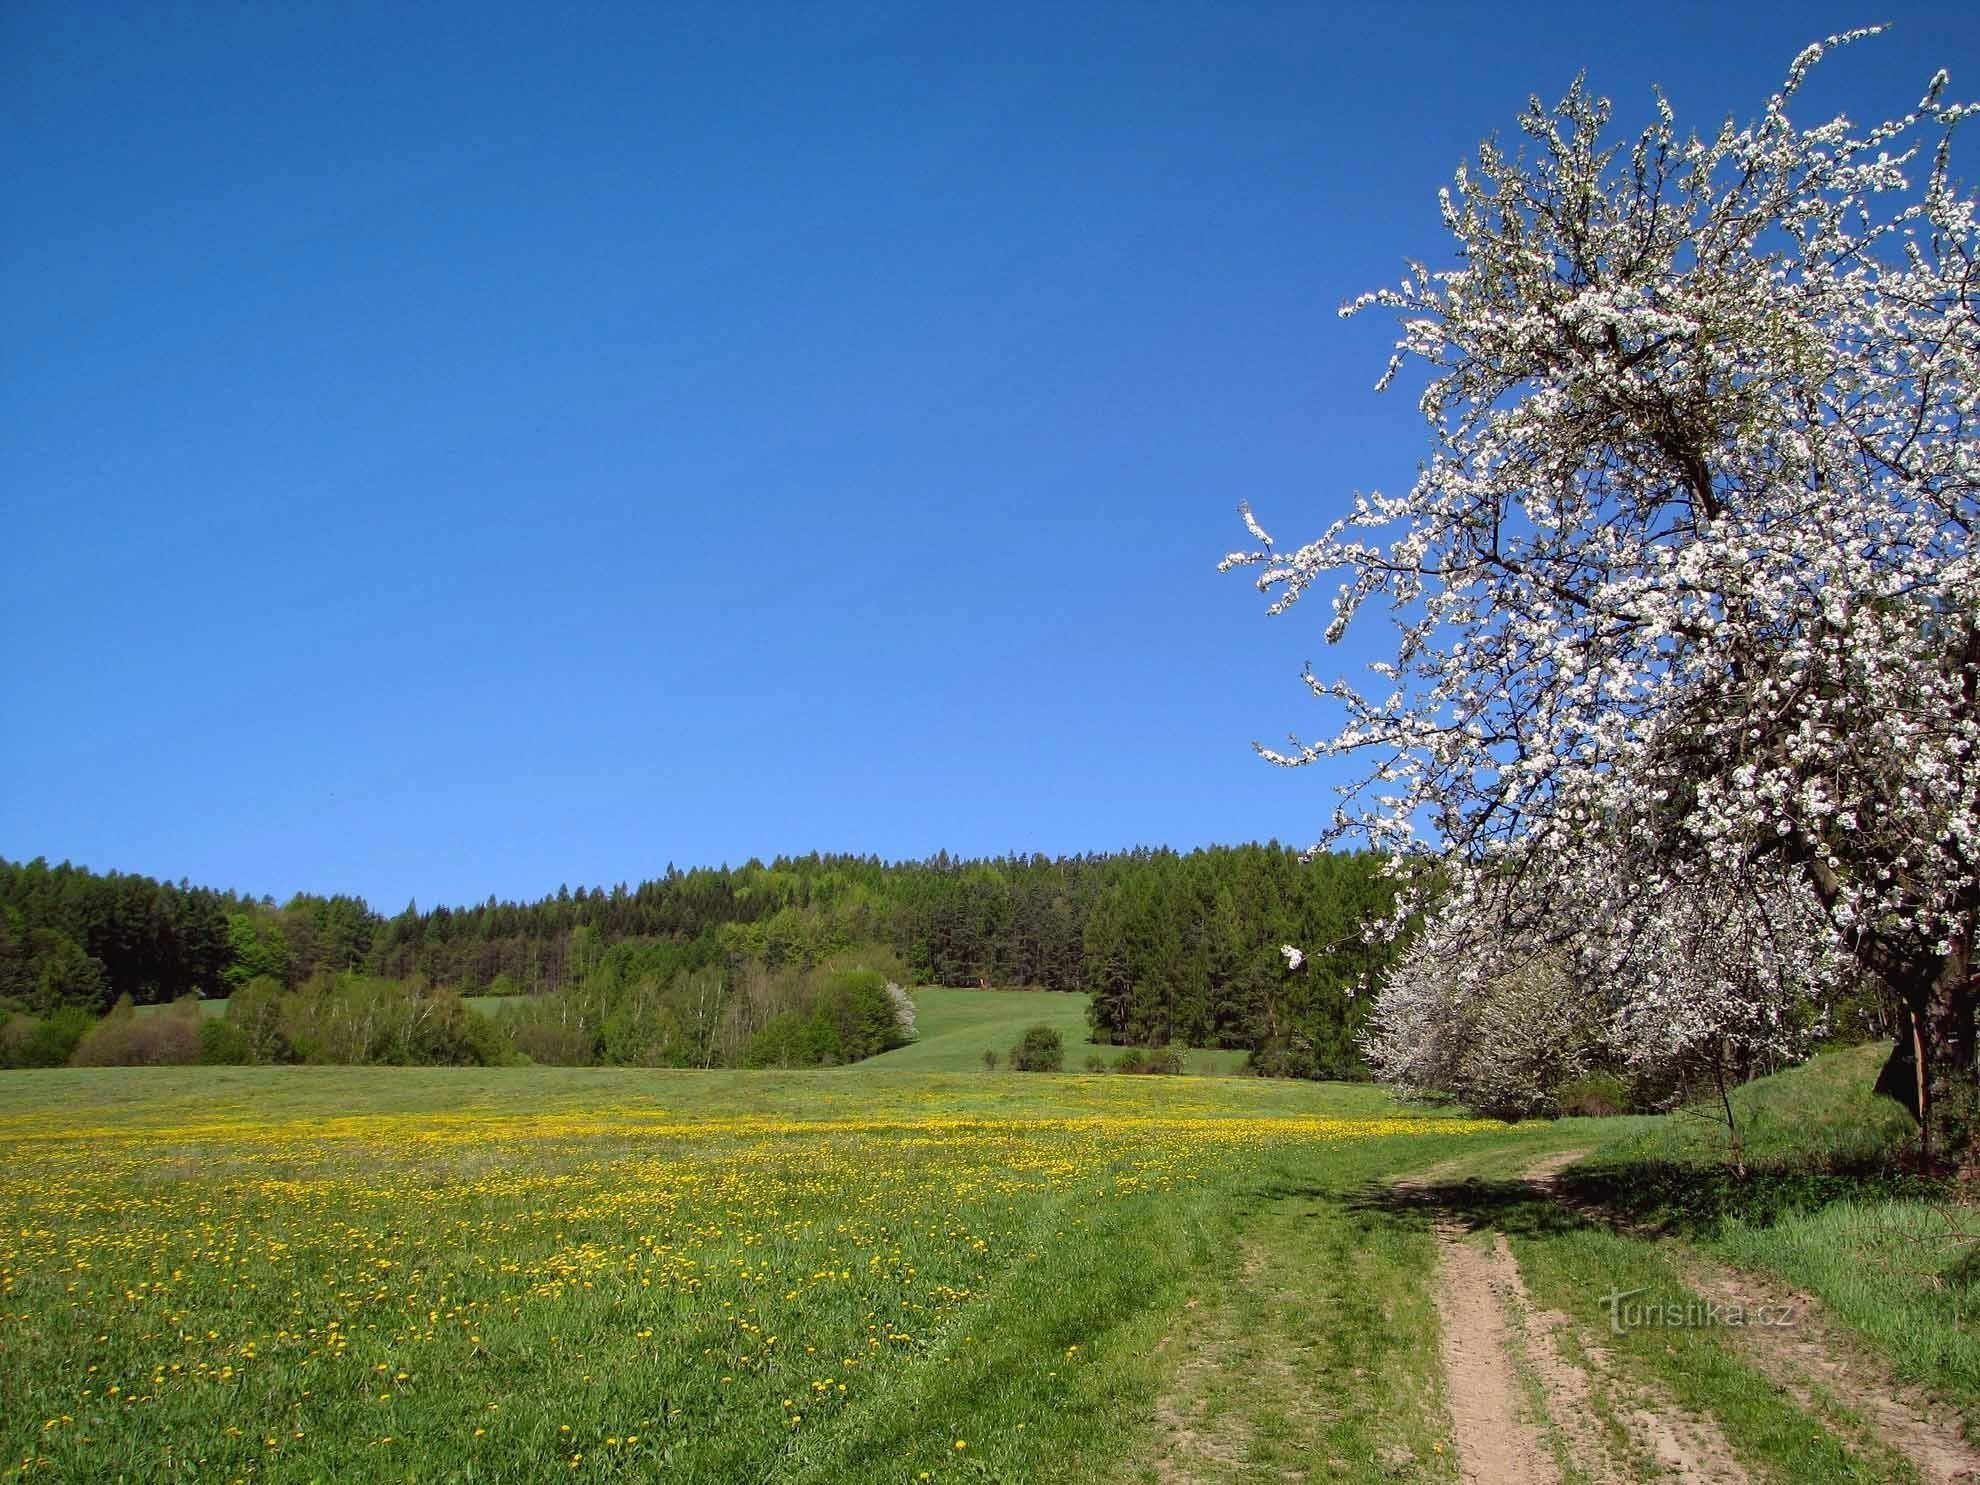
{"points": [[1174, 947]]}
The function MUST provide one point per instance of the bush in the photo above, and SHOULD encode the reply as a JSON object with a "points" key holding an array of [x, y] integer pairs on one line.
{"points": [[791, 1040], [856, 1005], [1163, 1060], [904, 1011], [221, 1043], [553, 1043], [1040, 1049], [1595, 1095], [354, 1019], [989, 1059], [123, 1038], [1095, 1062], [28, 1041], [255, 1011], [642, 1029], [486, 1041]]}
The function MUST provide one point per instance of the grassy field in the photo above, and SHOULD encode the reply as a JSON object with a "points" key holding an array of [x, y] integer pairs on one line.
{"points": [[958, 1026], [322, 1273], [910, 1269], [211, 1009]]}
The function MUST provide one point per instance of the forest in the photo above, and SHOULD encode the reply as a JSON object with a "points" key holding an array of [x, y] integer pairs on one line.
{"points": [[1173, 947]]}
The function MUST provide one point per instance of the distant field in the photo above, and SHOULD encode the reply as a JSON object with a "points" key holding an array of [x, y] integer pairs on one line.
{"points": [[494, 1003], [207, 1008], [958, 1026]]}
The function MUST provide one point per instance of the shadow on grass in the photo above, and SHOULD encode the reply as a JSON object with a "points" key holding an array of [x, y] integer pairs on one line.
{"points": [[1689, 1199], [1510, 1206], [1648, 1197]]}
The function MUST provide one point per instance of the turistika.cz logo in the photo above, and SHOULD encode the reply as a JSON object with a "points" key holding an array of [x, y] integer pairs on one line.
{"points": [[1627, 1312]]}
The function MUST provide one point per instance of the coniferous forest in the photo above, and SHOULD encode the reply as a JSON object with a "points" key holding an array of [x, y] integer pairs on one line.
{"points": [[1173, 948]]}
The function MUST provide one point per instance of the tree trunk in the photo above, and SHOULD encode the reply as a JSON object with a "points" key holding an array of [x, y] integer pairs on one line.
{"points": [[1931, 1069]]}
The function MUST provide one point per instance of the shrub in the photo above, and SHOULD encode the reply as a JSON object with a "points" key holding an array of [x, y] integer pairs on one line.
{"points": [[1165, 1061], [123, 1038], [903, 1011], [554, 1043], [856, 1005], [1040, 1049], [791, 1040], [28, 1041], [1095, 1062], [354, 1019], [255, 1011], [486, 1041], [989, 1059], [641, 1029], [221, 1043], [1596, 1095]]}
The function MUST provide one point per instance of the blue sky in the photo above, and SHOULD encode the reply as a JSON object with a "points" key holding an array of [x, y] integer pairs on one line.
{"points": [[466, 448]]}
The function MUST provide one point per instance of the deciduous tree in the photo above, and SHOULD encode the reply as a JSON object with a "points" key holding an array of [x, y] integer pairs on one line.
{"points": [[1685, 592]]}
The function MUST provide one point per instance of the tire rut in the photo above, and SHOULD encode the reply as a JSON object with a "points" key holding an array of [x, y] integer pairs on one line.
{"points": [[1492, 1330], [1813, 1355], [1476, 1289]]}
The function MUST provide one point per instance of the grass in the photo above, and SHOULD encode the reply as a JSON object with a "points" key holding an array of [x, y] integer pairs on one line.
{"points": [[600, 1274], [1826, 1206], [210, 1009], [1311, 1342], [958, 1026], [905, 1269]]}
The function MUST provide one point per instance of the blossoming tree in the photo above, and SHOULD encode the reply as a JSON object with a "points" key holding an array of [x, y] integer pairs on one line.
{"points": [[1685, 593]]}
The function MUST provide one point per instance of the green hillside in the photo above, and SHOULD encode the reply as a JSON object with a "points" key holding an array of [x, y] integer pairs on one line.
{"points": [[956, 1027]]}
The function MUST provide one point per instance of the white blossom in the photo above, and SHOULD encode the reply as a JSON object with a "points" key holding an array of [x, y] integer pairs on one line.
{"points": [[1686, 595], [903, 1009]]}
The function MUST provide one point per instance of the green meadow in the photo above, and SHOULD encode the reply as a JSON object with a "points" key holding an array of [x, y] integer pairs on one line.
{"points": [[908, 1269]]}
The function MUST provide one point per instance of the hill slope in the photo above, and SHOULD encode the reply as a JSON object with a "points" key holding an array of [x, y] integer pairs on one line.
{"points": [[957, 1026]]}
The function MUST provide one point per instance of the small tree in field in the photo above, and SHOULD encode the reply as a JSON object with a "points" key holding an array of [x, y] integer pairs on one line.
{"points": [[1687, 593], [1040, 1049]]}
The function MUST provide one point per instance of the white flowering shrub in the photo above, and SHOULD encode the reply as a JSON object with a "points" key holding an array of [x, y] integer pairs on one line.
{"points": [[903, 1004], [1500, 1001], [1685, 595], [1503, 1037]]}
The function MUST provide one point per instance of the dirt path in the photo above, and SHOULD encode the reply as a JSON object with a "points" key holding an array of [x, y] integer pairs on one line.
{"points": [[1681, 1446], [1198, 1445], [1492, 1330], [1476, 1288]]}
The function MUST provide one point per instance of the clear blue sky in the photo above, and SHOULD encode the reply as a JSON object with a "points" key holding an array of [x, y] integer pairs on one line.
{"points": [[463, 448]]}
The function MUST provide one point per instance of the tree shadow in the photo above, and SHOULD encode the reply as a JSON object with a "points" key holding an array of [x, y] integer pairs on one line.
{"points": [[1693, 1200], [1475, 1203], [1649, 1198]]}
